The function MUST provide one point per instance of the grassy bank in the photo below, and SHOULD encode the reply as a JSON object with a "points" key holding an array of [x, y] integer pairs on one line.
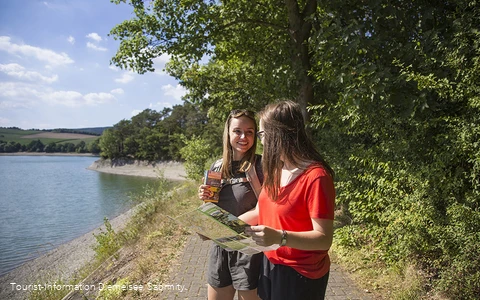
{"points": [[142, 252]]}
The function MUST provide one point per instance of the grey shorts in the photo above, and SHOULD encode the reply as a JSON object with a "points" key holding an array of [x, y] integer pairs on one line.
{"points": [[233, 268]]}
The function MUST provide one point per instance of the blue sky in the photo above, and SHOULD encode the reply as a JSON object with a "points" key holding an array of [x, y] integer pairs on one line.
{"points": [[55, 67]]}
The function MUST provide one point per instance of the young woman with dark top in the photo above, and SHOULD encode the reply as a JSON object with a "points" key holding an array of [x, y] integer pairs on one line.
{"points": [[232, 271]]}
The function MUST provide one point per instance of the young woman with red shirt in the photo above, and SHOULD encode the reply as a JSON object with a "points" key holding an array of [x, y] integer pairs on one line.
{"points": [[295, 208]]}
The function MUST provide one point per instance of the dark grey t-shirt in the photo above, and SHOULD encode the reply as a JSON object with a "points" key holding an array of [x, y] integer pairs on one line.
{"points": [[239, 198]]}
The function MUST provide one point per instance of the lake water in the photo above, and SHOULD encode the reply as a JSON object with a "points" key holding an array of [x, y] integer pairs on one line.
{"points": [[49, 200]]}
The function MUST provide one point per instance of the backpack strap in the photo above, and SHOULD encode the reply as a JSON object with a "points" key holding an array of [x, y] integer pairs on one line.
{"points": [[217, 166], [251, 174]]}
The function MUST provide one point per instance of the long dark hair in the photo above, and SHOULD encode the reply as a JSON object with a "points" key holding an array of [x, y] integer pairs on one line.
{"points": [[249, 158], [285, 134]]}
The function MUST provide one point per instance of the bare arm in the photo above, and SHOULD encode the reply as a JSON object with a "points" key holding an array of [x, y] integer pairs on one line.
{"points": [[250, 217], [319, 238]]}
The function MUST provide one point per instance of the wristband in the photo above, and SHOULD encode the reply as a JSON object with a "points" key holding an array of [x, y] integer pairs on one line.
{"points": [[283, 241]]}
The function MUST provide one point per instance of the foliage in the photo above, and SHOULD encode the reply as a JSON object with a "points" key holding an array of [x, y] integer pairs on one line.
{"points": [[155, 136], [393, 102], [197, 152], [219, 87], [401, 126], [108, 242], [266, 37], [115, 291]]}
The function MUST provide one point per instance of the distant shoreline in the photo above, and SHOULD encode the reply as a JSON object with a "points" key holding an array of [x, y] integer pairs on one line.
{"points": [[171, 170], [48, 154]]}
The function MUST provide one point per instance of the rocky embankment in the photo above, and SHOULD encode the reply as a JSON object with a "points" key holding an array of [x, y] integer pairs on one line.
{"points": [[171, 169], [62, 263]]}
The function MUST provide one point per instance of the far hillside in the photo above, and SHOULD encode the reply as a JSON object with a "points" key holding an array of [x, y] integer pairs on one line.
{"points": [[26, 136], [92, 130], [63, 140]]}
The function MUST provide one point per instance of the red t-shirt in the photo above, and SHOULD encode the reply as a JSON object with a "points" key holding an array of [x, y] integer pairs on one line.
{"points": [[310, 195]]}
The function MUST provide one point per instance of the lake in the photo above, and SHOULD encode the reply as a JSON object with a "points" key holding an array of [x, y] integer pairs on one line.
{"points": [[49, 200]]}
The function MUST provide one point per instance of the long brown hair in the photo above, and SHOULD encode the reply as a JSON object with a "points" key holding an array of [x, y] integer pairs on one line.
{"points": [[249, 158], [285, 134]]}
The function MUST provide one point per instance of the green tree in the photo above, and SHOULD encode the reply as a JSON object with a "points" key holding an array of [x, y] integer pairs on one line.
{"points": [[81, 147], [35, 146], [59, 148], [51, 147], [220, 86], [94, 147], [109, 144], [399, 122], [151, 145], [393, 91], [196, 154], [267, 33], [69, 147], [122, 131]]}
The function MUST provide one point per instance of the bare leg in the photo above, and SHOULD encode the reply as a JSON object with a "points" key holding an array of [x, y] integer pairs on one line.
{"points": [[225, 293], [248, 295]]}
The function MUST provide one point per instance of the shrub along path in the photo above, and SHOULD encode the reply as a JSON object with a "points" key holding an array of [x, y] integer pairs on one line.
{"points": [[188, 281]]}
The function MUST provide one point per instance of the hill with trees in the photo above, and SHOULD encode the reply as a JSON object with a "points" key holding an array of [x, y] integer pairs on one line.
{"points": [[154, 136], [14, 139]]}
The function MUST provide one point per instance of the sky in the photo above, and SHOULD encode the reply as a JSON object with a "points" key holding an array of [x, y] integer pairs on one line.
{"points": [[55, 67]]}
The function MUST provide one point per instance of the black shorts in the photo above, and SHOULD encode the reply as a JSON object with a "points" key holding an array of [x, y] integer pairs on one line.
{"points": [[233, 268], [280, 282]]}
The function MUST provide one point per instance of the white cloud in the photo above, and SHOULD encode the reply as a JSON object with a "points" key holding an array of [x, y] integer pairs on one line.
{"points": [[17, 90], [99, 98], [126, 78], [114, 68], [71, 40], [4, 121], [162, 59], [4, 105], [17, 71], [177, 92], [94, 36], [95, 47], [159, 64], [159, 105], [76, 99], [21, 95], [65, 98], [18, 95], [135, 112], [41, 54], [117, 91]]}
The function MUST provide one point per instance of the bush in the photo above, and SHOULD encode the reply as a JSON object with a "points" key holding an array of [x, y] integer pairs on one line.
{"points": [[108, 242], [196, 153]]}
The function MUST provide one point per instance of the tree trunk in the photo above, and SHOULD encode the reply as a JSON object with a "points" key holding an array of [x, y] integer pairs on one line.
{"points": [[300, 31]]}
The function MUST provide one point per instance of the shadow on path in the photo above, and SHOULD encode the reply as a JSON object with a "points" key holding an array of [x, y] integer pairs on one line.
{"points": [[188, 278]]}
